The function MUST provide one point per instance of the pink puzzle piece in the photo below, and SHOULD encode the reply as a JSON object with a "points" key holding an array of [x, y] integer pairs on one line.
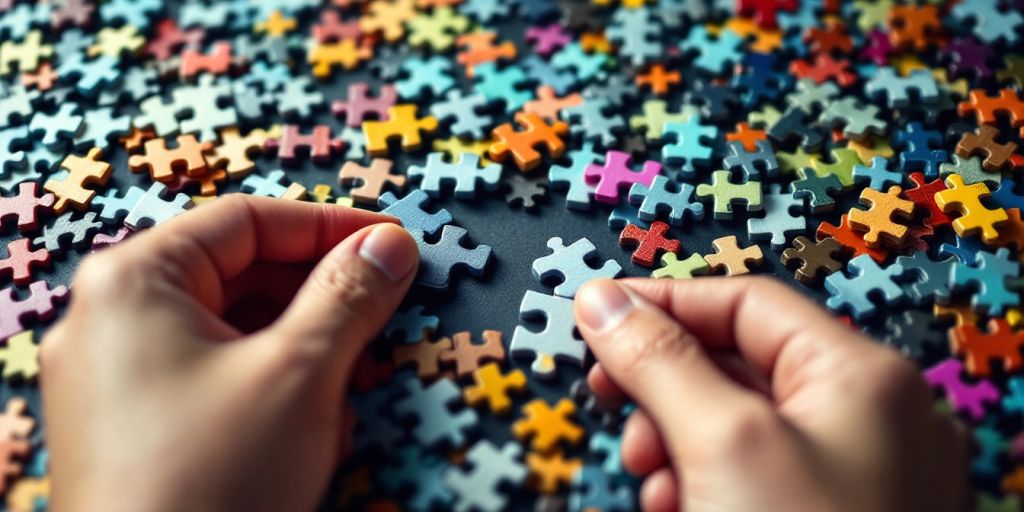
{"points": [[962, 396], [615, 176], [41, 304], [547, 39]]}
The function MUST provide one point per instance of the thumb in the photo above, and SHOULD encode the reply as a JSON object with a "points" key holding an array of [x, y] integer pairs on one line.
{"points": [[662, 366], [349, 296]]}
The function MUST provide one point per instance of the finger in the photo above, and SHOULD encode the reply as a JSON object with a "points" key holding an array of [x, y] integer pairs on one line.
{"points": [[350, 295], [603, 386], [771, 325], [201, 249], [271, 281], [660, 364], [660, 492], [643, 450]]}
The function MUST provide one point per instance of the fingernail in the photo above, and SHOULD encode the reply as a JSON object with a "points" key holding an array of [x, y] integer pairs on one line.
{"points": [[603, 305], [387, 247]]}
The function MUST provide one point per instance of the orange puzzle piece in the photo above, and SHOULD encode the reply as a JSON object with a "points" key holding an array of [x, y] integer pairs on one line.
{"points": [[730, 257], [82, 171], [403, 124], [468, 356], [523, 144], [979, 348], [987, 109], [659, 80], [548, 426], [550, 473], [234, 151], [161, 161], [548, 105], [479, 47], [879, 220], [424, 355], [492, 386], [372, 179]]}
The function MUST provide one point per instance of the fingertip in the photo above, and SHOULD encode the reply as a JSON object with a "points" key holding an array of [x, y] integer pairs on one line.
{"points": [[660, 492], [643, 450], [390, 249], [601, 305]]}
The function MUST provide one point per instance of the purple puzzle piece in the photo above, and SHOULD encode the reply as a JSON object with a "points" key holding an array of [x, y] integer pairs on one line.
{"points": [[615, 176], [547, 39], [41, 304], [962, 396]]}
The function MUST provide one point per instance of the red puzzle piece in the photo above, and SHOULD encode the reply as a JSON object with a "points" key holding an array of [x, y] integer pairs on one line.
{"points": [[649, 242], [20, 260], [850, 239], [923, 195], [764, 12]]}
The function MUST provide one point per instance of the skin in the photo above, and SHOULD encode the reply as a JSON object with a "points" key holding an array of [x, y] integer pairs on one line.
{"points": [[203, 365], [753, 398]]}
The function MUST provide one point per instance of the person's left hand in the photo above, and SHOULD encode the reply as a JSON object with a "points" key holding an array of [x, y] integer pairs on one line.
{"points": [[155, 400]]}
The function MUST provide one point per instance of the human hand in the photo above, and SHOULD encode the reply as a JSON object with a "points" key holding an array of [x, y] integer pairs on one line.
{"points": [[155, 402], [824, 419]]}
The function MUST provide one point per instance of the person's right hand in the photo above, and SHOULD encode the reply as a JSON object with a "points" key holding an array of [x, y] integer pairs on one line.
{"points": [[825, 419]]}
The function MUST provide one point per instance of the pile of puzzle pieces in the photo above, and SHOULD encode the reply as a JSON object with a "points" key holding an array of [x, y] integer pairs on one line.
{"points": [[866, 152]]}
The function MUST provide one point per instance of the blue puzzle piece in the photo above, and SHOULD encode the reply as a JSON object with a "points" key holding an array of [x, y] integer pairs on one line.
{"points": [[931, 278], [917, 153], [432, 74], [714, 54], [854, 294], [411, 326], [569, 263], [688, 144], [580, 192], [439, 260], [410, 210], [504, 85], [877, 176], [779, 222], [664, 195], [988, 276], [465, 174], [436, 424], [558, 340]]}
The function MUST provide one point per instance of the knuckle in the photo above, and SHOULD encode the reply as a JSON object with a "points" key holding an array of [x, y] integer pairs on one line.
{"points": [[750, 427], [103, 275], [345, 283]]}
